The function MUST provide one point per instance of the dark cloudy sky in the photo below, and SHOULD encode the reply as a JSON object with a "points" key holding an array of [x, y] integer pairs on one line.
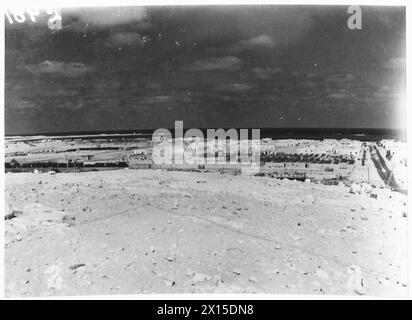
{"points": [[226, 66]]}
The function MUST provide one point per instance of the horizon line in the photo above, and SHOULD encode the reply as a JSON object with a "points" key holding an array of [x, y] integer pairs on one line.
{"points": [[145, 131]]}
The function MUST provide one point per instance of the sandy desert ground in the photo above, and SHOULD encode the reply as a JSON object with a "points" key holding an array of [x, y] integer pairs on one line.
{"points": [[154, 231]]}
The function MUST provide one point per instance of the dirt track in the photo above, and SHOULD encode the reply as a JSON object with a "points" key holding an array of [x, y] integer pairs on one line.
{"points": [[137, 231]]}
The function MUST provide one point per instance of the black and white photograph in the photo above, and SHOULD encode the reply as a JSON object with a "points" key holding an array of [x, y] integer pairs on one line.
{"points": [[254, 149]]}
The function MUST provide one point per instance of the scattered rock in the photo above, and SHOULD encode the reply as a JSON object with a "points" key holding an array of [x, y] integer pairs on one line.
{"points": [[217, 279], [87, 209], [13, 214], [68, 219], [54, 277], [76, 266], [200, 277], [169, 283], [366, 188], [189, 272], [355, 188], [236, 271], [309, 199], [356, 281]]}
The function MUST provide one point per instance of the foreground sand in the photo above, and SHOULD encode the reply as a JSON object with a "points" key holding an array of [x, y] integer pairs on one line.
{"points": [[152, 231]]}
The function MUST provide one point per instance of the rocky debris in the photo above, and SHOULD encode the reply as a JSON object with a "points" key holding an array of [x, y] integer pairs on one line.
{"points": [[374, 195], [217, 280], [265, 237], [189, 272], [69, 219], [175, 205], [356, 281], [363, 188], [87, 209], [253, 279], [54, 279], [77, 266], [236, 271], [309, 199], [355, 188], [169, 283], [37, 215], [13, 214], [199, 277], [366, 188]]}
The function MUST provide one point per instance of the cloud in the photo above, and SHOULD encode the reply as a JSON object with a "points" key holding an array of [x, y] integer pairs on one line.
{"points": [[395, 63], [213, 64], [341, 78], [234, 87], [68, 69], [266, 73], [261, 73], [385, 95], [157, 99], [338, 96], [103, 17], [259, 42], [23, 105], [308, 84], [125, 38], [62, 93]]}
